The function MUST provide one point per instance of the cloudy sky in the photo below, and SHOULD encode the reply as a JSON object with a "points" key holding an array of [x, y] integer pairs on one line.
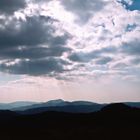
{"points": [[70, 49]]}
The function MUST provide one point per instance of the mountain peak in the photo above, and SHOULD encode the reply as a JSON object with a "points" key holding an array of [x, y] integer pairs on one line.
{"points": [[56, 101]]}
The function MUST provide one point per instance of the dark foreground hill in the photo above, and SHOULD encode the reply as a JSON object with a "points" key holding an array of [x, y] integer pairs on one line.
{"points": [[113, 122]]}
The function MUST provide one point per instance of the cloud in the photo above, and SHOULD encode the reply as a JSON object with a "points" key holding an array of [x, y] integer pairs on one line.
{"points": [[34, 30], [82, 57], [33, 52], [89, 56], [131, 48], [119, 65], [40, 1], [135, 61], [83, 9], [63, 38], [8, 7], [103, 60], [32, 46], [31, 38], [34, 67]]}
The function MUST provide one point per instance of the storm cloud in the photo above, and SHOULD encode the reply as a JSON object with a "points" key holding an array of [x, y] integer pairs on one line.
{"points": [[34, 30], [34, 67], [10, 6], [31, 46]]}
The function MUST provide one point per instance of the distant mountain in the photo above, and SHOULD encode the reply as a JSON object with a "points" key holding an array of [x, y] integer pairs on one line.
{"points": [[133, 104], [61, 106], [51, 103], [10, 106], [67, 108], [58, 105], [58, 102], [84, 103]]}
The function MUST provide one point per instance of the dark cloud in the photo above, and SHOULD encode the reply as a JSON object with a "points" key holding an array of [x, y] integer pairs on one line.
{"points": [[88, 56], [35, 30], [26, 40], [35, 67], [32, 52], [135, 61], [10, 6], [38, 1], [104, 60], [34, 44], [82, 57], [84, 9], [120, 65], [131, 48]]}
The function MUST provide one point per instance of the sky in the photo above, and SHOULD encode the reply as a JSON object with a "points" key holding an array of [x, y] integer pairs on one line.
{"points": [[70, 49]]}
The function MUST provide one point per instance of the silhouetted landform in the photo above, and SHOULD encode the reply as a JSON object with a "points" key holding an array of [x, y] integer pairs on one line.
{"points": [[11, 106], [113, 122], [118, 107], [57, 105], [60, 105], [7, 114], [133, 104], [66, 108]]}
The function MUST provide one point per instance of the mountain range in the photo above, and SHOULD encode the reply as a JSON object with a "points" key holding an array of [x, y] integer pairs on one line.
{"points": [[57, 105], [10, 106]]}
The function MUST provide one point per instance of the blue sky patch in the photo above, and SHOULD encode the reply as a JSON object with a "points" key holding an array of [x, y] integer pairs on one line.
{"points": [[134, 6]]}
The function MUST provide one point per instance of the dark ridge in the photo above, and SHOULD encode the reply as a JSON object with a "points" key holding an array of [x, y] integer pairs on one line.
{"points": [[66, 108], [116, 107], [7, 114], [113, 122]]}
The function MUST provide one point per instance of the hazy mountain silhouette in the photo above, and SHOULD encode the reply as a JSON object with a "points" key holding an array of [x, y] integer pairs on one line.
{"points": [[66, 108], [61, 106], [10, 106], [57, 105], [133, 104], [114, 121], [58, 102]]}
